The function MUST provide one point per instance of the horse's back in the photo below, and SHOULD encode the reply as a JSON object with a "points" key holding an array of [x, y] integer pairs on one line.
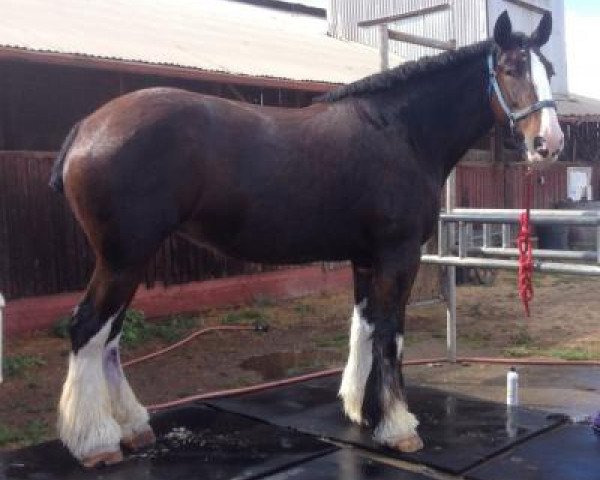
{"points": [[178, 157]]}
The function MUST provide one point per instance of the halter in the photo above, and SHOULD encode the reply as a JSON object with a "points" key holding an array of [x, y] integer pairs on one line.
{"points": [[513, 117]]}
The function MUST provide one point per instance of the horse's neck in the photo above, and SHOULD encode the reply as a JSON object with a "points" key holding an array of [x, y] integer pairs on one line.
{"points": [[447, 114]]}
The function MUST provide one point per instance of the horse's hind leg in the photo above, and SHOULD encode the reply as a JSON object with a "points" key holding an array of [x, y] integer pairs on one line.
{"points": [[131, 416], [86, 422]]}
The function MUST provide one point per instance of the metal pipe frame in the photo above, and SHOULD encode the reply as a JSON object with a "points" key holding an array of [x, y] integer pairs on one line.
{"points": [[464, 218], [539, 266], [447, 239], [538, 217], [590, 256]]}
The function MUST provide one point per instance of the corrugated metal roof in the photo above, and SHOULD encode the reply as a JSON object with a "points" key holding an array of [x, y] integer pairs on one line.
{"points": [[211, 35], [578, 108]]}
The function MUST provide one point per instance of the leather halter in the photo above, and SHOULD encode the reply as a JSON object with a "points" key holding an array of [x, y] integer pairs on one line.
{"points": [[513, 117]]}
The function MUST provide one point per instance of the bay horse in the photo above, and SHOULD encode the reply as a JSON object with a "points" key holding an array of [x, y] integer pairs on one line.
{"points": [[355, 176]]}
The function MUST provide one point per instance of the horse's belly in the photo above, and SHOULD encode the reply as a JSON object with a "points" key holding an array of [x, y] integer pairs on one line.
{"points": [[292, 242]]}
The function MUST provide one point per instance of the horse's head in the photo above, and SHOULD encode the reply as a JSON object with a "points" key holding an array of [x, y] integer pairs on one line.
{"points": [[520, 81]]}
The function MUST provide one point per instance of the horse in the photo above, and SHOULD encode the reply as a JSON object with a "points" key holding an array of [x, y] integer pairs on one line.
{"points": [[357, 175]]}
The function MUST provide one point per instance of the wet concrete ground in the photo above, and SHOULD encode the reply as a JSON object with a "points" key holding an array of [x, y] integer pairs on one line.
{"points": [[571, 390], [280, 430]]}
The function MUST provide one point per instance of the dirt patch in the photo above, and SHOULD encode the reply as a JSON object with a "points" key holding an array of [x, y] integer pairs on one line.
{"points": [[305, 335]]}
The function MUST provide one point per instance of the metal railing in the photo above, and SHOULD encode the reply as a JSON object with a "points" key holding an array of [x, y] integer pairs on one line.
{"points": [[465, 253]]}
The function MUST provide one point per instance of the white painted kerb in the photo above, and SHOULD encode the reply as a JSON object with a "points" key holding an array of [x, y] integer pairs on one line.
{"points": [[2, 304]]}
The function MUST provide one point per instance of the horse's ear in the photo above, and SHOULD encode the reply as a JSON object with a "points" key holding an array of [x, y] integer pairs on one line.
{"points": [[542, 33], [503, 31]]}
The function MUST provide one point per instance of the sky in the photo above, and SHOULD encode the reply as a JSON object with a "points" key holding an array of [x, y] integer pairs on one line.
{"points": [[582, 22]]}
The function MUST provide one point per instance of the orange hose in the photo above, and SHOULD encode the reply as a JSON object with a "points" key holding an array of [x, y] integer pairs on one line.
{"points": [[185, 340], [325, 373], [528, 361]]}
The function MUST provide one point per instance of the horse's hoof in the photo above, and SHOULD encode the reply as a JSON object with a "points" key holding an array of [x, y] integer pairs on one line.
{"points": [[139, 440], [102, 459], [410, 444]]}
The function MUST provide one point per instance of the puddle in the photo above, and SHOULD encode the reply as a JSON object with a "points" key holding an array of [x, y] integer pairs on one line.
{"points": [[284, 364]]}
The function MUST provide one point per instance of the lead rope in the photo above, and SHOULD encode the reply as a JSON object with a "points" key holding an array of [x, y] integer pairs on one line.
{"points": [[525, 249]]}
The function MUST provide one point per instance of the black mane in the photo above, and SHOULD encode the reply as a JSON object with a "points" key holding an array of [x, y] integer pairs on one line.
{"points": [[407, 72]]}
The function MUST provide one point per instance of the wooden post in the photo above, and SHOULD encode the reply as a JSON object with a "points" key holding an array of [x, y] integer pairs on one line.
{"points": [[384, 47], [423, 41]]}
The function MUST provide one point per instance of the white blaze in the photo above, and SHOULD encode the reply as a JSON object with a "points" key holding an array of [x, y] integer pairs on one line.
{"points": [[358, 367], [549, 127]]}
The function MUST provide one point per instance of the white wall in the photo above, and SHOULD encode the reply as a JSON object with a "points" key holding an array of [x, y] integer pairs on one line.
{"points": [[464, 22]]}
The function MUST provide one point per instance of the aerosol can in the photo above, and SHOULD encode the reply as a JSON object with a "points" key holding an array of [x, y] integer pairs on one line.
{"points": [[512, 387], [596, 424]]}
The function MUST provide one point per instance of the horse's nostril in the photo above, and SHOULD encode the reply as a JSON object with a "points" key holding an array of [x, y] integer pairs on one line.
{"points": [[540, 146], [543, 152], [538, 143]]}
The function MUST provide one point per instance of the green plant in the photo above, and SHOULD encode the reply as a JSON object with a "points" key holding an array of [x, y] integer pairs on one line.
{"points": [[262, 301], [174, 328], [571, 353], [33, 432], [519, 351], [60, 328], [521, 337], [18, 364], [8, 435], [337, 341], [303, 309], [135, 329], [477, 338], [244, 316]]}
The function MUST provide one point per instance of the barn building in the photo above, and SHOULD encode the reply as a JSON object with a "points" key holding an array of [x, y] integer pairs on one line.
{"points": [[59, 63]]}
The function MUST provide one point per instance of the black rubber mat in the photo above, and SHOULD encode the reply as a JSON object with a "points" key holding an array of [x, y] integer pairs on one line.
{"points": [[570, 452], [459, 432], [346, 464], [193, 443]]}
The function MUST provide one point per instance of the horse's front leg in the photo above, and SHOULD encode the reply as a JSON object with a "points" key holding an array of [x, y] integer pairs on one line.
{"points": [[358, 366], [371, 385]]}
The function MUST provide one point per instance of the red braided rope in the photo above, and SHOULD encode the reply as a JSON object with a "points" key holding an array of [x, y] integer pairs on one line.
{"points": [[525, 250]]}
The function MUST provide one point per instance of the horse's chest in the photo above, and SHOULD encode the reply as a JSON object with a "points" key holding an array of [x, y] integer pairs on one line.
{"points": [[411, 207]]}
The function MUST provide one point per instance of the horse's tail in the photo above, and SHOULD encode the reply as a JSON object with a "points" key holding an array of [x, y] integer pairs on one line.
{"points": [[56, 176]]}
